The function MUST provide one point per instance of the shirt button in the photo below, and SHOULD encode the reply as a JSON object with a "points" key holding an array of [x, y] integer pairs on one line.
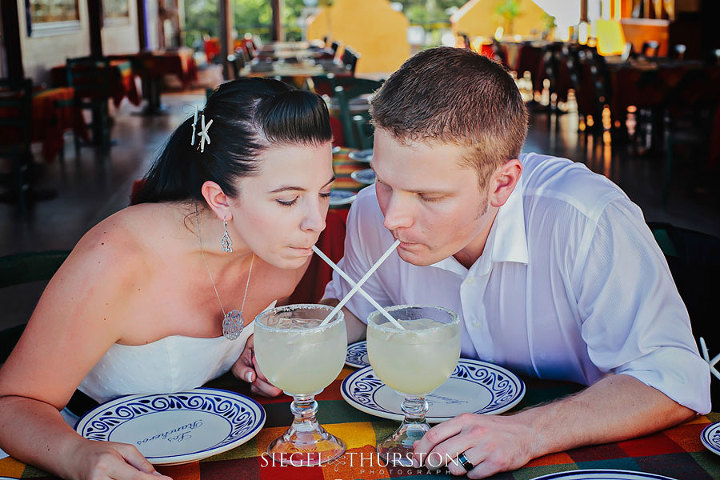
{"points": [[470, 281]]}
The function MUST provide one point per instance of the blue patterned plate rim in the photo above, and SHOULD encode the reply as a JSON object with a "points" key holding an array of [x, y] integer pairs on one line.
{"points": [[602, 474], [341, 197], [710, 437], [513, 393], [357, 355], [361, 155], [238, 435], [366, 176]]}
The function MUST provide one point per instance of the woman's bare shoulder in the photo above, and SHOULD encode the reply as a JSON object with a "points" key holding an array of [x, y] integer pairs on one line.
{"points": [[129, 235]]}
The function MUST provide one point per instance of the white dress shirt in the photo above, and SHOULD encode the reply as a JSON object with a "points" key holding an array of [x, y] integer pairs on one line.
{"points": [[571, 285]]}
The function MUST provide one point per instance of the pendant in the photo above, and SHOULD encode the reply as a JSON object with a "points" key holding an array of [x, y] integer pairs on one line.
{"points": [[232, 325]]}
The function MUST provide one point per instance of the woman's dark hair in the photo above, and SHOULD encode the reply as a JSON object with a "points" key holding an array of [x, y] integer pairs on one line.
{"points": [[249, 115]]}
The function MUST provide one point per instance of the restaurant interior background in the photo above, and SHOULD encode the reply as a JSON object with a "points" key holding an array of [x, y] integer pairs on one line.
{"points": [[617, 109]]}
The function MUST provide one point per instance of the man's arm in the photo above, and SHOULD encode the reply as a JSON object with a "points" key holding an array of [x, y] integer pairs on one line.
{"points": [[355, 327], [618, 407]]}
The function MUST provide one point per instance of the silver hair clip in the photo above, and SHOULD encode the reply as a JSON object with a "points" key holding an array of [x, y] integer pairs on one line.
{"points": [[192, 139], [204, 137]]}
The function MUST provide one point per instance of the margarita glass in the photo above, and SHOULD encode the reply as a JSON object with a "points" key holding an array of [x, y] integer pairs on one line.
{"points": [[414, 362], [302, 357]]}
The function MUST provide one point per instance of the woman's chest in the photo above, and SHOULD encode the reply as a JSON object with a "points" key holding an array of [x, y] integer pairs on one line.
{"points": [[190, 304]]}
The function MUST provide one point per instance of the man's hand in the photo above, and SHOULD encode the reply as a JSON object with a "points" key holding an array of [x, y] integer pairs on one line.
{"points": [[491, 443], [616, 407], [247, 369]]}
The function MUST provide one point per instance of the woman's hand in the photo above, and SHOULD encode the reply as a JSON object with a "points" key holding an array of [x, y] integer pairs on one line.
{"points": [[247, 369], [104, 460]]}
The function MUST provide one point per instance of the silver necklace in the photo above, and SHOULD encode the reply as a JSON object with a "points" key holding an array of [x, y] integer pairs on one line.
{"points": [[233, 321]]}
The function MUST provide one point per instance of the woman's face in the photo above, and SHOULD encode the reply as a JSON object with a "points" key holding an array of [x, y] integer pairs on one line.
{"points": [[280, 211]]}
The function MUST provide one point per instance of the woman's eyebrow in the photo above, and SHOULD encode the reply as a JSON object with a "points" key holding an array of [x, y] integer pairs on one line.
{"points": [[285, 188]]}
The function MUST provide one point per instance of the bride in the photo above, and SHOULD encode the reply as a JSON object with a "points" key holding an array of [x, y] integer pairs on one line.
{"points": [[160, 296]]}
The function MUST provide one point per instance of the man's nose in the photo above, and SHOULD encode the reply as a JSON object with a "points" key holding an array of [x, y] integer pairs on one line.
{"points": [[398, 213]]}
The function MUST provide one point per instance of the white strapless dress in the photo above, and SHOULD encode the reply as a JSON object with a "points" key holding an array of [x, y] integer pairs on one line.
{"points": [[171, 364]]}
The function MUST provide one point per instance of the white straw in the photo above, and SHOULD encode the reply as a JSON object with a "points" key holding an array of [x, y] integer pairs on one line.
{"points": [[362, 292], [360, 282]]}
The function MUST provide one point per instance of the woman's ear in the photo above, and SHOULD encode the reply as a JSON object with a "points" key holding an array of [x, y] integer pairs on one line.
{"points": [[503, 182], [216, 200]]}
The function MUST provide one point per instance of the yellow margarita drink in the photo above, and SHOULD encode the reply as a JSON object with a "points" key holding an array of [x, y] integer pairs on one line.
{"points": [[299, 356], [412, 353], [416, 360]]}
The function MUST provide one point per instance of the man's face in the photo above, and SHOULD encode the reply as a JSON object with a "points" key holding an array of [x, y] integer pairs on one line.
{"points": [[431, 200]]}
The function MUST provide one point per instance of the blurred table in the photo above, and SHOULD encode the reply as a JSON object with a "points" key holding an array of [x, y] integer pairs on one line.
{"points": [[153, 66], [648, 85], [53, 113], [124, 81]]}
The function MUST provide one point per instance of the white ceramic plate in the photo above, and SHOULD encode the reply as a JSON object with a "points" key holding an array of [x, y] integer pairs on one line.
{"points": [[710, 437], [361, 155], [341, 197], [170, 429], [602, 475], [475, 386], [366, 176], [357, 355]]}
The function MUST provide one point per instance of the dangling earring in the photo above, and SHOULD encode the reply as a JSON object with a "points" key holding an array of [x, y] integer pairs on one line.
{"points": [[225, 241]]}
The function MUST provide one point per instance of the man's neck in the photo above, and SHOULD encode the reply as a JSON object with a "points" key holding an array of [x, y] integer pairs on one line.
{"points": [[474, 250]]}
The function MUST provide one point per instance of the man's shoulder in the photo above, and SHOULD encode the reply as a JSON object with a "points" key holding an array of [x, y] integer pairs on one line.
{"points": [[365, 205], [554, 180]]}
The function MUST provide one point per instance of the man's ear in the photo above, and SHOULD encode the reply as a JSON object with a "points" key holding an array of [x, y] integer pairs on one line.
{"points": [[503, 181], [216, 200]]}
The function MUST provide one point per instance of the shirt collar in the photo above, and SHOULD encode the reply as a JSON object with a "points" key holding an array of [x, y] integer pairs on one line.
{"points": [[507, 241]]}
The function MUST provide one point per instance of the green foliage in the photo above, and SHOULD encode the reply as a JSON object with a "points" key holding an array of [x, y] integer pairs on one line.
{"points": [[423, 12], [508, 9], [249, 16], [255, 16]]}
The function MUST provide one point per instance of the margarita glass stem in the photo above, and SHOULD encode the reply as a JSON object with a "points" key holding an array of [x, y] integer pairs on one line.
{"points": [[304, 408], [397, 449], [306, 442]]}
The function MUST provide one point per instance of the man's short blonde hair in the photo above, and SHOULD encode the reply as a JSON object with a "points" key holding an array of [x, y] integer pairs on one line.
{"points": [[452, 95]]}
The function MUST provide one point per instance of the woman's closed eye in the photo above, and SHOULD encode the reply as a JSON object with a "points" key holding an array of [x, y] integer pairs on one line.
{"points": [[287, 202]]}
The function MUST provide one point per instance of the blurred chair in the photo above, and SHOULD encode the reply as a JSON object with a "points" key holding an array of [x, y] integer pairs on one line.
{"points": [[694, 261], [713, 57], [334, 47], [349, 59], [16, 125], [677, 52], [628, 52], [465, 41], [250, 48], [24, 268], [349, 99], [236, 63], [211, 45], [650, 48], [363, 129], [592, 90], [688, 113], [90, 78], [499, 52]]}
